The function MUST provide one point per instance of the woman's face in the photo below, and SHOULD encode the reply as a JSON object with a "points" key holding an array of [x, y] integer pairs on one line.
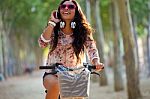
{"points": [[67, 10]]}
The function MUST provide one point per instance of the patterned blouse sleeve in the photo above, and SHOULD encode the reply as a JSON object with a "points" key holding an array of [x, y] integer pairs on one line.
{"points": [[91, 48], [44, 43]]}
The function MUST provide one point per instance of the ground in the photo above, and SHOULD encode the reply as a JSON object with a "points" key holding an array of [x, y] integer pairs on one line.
{"points": [[30, 87]]}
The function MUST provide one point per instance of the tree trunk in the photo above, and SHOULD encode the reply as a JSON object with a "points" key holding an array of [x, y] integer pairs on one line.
{"points": [[38, 56], [118, 80], [3, 54], [100, 41], [1, 45], [88, 10], [138, 93], [148, 41], [17, 45], [136, 46], [135, 37], [88, 14], [130, 51], [5, 41]]}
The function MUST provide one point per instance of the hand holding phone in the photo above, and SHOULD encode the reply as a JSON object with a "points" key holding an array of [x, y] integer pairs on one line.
{"points": [[54, 16]]}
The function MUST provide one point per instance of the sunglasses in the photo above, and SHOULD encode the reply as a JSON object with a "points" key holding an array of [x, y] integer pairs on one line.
{"points": [[69, 6]]}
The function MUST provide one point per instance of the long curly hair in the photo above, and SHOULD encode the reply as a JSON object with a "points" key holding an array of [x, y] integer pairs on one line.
{"points": [[80, 33]]}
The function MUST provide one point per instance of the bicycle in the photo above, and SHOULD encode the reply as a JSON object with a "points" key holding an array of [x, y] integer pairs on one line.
{"points": [[74, 85]]}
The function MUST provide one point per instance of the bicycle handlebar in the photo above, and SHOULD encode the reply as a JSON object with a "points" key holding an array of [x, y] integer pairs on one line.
{"points": [[47, 67], [88, 66], [58, 65], [50, 67]]}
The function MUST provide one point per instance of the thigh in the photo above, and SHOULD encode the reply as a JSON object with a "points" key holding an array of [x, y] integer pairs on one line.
{"points": [[49, 81]]}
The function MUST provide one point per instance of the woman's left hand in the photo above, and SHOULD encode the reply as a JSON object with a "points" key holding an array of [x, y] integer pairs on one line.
{"points": [[99, 66]]}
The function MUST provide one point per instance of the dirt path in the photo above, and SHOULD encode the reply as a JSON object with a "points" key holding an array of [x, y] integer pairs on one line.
{"points": [[30, 87]]}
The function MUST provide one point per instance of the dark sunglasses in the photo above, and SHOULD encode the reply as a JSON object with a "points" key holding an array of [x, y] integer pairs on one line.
{"points": [[69, 6]]}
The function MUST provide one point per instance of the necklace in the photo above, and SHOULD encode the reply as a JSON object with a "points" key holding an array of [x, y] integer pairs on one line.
{"points": [[66, 34]]}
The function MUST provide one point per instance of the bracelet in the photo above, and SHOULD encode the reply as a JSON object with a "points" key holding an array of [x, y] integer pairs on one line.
{"points": [[42, 38], [52, 23]]}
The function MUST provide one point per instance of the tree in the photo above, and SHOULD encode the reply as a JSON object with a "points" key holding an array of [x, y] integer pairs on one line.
{"points": [[23, 22], [139, 24], [148, 40], [129, 49], [88, 10], [100, 40], [118, 80]]}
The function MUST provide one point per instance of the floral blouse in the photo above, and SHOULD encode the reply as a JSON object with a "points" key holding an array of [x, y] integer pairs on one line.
{"points": [[64, 52]]}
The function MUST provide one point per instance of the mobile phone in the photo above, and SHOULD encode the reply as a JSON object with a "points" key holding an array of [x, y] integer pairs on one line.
{"points": [[56, 15]]}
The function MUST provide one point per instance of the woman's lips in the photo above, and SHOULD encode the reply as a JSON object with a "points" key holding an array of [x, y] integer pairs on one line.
{"points": [[66, 13]]}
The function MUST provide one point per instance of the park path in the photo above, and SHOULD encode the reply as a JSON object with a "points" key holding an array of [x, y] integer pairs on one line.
{"points": [[30, 87]]}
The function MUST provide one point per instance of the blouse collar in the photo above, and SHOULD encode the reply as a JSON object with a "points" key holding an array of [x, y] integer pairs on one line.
{"points": [[62, 33]]}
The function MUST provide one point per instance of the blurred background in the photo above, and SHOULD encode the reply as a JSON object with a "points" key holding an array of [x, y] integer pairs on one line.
{"points": [[123, 40]]}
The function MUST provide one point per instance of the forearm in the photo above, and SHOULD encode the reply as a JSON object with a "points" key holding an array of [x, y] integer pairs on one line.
{"points": [[51, 24], [46, 36], [95, 61], [47, 32]]}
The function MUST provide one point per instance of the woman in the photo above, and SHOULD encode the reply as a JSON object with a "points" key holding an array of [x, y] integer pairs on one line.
{"points": [[69, 34]]}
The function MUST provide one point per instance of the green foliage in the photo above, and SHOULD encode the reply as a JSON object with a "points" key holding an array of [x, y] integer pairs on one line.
{"points": [[105, 17], [83, 5], [105, 14], [141, 30], [139, 9], [27, 17]]}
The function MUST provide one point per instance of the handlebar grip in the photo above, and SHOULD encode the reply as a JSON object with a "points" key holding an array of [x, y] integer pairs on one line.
{"points": [[47, 67], [92, 67], [50, 66]]}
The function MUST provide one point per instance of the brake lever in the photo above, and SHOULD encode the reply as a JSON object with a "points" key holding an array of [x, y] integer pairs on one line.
{"points": [[95, 73]]}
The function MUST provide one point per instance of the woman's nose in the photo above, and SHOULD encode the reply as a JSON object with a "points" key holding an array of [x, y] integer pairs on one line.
{"points": [[66, 7]]}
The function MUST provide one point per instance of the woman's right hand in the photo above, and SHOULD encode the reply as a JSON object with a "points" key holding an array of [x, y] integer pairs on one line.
{"points": [[52, 18]]}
